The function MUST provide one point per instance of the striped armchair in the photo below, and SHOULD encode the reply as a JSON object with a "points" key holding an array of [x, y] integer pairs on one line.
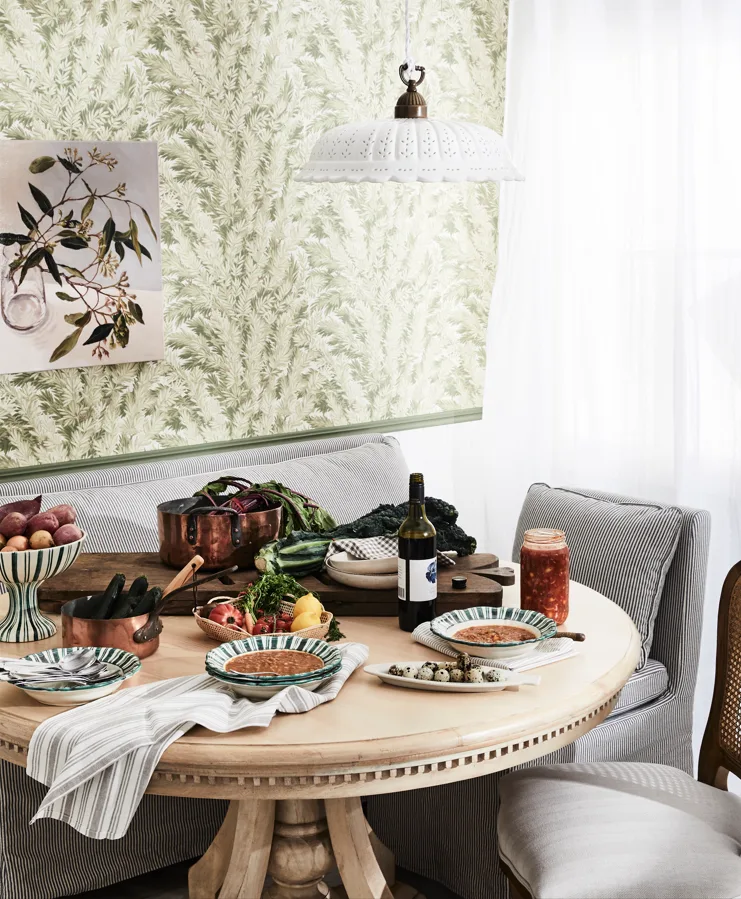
{"points": [[652, 721]]}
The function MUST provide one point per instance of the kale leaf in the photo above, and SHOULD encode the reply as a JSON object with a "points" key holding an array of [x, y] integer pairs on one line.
{"points": [[385, 520]]}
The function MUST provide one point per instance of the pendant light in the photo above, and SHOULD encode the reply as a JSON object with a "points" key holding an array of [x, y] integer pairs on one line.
{"points": [[410, 147]]}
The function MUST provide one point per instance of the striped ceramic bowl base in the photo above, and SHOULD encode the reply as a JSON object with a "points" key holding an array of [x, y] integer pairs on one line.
{"points": [[21, 573]]}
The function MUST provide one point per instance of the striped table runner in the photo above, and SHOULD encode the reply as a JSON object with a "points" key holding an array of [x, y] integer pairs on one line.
{"points": [[553, 650], [98, 759]]}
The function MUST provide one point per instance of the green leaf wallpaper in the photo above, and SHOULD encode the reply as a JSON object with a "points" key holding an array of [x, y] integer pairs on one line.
{"points": [[288, 306]]}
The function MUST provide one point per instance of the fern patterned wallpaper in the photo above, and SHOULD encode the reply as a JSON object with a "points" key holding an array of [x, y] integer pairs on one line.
{"points": [[288, 306]]}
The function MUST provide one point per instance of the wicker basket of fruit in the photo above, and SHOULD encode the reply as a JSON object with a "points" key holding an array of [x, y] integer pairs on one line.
{"points": [[275, 604]]}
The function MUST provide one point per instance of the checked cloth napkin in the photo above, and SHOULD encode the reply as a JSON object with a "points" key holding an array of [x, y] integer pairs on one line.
{"points": [[553, 650], [375, 548], [97, 760]]}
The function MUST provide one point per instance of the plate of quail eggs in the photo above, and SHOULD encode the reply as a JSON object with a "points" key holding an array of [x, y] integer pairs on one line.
{"points": [[459, 676]]}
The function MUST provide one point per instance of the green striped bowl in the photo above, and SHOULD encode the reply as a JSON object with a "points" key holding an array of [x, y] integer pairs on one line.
{"points": [[217, 659], [446, 626], [122, 665]]}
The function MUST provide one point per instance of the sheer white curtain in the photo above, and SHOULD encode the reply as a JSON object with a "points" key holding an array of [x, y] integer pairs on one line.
{"points": [[615, 336]]}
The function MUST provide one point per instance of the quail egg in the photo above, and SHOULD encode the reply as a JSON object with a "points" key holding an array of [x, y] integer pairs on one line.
{"points": [[442, 675], [425, 673], [492, 675], [456, 676], [474, 675], [410, 671]]}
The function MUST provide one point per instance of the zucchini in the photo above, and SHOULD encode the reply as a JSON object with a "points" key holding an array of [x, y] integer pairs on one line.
{"points": [[299, 554], [147, 603], [103, 608], [127, 600]]}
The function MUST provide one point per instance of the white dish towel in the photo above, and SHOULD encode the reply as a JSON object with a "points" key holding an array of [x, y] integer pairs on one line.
{"points": [[553, 650], [98, 759]]}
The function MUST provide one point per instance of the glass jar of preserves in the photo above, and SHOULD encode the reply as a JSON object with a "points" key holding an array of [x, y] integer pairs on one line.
{"points": [[544, 573]]}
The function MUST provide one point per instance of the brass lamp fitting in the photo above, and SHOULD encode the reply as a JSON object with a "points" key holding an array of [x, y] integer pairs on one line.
{"points": [[411, 104]]}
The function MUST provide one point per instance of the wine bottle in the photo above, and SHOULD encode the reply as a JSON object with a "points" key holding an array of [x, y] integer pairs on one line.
{"points": [[417, 561]]}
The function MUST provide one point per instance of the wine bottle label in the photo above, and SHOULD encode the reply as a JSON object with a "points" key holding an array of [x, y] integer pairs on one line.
{"points": [[421, 585]]}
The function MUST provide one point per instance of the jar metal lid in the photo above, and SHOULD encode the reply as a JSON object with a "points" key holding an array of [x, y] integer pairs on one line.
{"points": [[459, 582]]}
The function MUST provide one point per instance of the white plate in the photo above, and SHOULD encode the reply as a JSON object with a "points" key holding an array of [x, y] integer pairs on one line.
{"points": [[364, 581], [343, 562], [513, 681]]}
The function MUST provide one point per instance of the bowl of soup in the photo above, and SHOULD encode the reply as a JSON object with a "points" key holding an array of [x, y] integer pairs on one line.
{"points": [[260, 666], [492, 633]]}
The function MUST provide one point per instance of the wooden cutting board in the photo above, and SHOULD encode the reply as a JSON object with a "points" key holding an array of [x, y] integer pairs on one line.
{"points": [[92, 572]]}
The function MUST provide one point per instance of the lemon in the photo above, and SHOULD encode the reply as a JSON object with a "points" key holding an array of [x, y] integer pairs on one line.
{"points": [[307, 603], [305, 619]]}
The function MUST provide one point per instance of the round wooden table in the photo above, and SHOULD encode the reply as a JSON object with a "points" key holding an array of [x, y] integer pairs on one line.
{"points": [[295, 786]]}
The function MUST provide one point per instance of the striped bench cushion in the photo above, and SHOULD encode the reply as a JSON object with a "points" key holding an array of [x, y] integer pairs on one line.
{"points": [[621, 549], [122, 517], [644, 686]]}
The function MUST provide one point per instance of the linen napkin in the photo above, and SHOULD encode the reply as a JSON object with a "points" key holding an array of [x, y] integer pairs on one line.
{"points": [[375, 548], [97, 759], [552, 650]]}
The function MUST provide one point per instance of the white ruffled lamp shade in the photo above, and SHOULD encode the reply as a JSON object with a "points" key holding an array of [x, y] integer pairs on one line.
{"points": [[410, 149]]}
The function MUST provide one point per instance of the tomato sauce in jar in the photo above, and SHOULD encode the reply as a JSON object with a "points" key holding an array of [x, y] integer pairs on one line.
{"points": [[544, 573]]}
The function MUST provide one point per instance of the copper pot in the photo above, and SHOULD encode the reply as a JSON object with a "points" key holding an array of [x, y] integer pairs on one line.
{"points": [[121, 633], [139, 634], [223, 539]]}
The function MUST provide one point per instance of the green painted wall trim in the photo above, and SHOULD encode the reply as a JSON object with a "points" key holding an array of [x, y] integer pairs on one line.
{"points": [[430, 420]]}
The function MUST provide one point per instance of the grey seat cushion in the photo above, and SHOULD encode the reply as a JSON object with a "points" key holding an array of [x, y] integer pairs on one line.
{"points": [[645, 685], [621, 549], [619, 831], [118, 507]]}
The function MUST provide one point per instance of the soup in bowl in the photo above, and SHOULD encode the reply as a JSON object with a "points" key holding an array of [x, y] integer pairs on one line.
{"points": [[493, 633]]}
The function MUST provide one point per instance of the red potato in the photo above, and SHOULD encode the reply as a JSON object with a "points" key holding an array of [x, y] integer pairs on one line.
{"points": [[13, 525], [9, 549], [27, 507], [41, 540], [18, 543], [44, 521], [64, 514], [67, 533]]}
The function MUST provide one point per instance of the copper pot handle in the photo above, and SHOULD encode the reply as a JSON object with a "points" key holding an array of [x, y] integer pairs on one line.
{"points": [[153, 626], [192, 525]]}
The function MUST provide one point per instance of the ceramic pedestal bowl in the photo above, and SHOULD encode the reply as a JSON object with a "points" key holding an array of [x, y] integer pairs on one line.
{"points": [[22, 572]]}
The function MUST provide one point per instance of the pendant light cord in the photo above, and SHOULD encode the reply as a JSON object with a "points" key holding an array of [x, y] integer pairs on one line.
{"points": [[408, 59]]}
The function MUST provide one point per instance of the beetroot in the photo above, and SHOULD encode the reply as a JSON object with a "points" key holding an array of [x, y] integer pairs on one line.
{"points": [[44, 521], [27, 507], [13, 524], [67, 533], [64, 514]]}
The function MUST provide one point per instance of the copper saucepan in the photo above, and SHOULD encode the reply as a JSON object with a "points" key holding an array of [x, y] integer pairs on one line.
{"points": [[138, 634], [192, 526]]}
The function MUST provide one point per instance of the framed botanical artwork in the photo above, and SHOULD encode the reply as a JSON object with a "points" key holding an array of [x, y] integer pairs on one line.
{"points": [[80, 260]]}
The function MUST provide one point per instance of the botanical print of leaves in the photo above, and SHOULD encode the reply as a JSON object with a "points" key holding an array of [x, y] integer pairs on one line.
{"points": [[289, 306]]}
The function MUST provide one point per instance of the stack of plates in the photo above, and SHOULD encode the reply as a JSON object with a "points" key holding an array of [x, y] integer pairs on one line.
{"points": [[365, 574], [256, 686]]}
